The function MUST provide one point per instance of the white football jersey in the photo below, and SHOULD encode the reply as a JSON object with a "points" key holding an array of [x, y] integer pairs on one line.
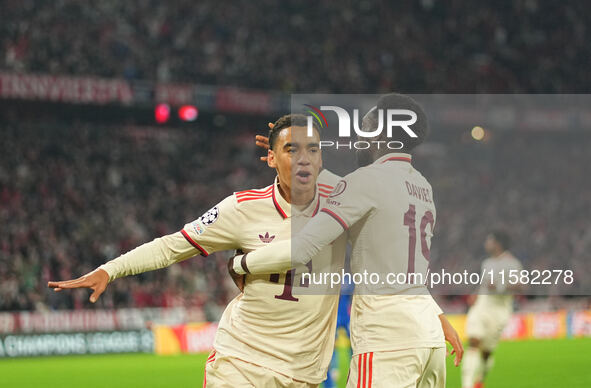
{"points": [[271, 323], [388, 209]]}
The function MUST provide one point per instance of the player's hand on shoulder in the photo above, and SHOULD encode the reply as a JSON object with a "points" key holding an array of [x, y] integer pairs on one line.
{"points": [[96, 280]]}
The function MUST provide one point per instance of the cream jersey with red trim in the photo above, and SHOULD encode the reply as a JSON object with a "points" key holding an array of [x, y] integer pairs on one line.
{"points": [[388, 210], [273, 323]]}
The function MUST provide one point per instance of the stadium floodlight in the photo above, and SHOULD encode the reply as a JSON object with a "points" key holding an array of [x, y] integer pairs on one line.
{"points": [[162, 113], [188, 113]]}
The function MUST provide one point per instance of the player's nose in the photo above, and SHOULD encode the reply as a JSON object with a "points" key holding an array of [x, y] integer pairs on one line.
{"points": [[303, 162], [303, 159]]}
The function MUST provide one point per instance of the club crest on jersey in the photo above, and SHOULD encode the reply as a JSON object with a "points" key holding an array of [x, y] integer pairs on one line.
{"points": [[209, 217], [266, 238], [339, 189]]}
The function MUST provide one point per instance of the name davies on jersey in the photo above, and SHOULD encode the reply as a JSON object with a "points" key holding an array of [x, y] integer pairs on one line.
{"points": [[422, 193]]}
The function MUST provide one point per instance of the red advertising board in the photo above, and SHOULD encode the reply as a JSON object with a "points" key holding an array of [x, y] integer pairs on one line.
{"points": [[27, 322], [77, 90], [516, 328], [243, 101], [548, 325], [174, 94], [190, 338]]}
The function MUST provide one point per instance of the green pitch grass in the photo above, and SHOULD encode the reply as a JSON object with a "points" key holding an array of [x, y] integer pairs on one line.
{"points": [[548, 363]]}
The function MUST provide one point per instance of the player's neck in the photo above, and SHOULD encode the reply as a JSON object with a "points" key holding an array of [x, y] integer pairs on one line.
{"points": [[296, 198]]}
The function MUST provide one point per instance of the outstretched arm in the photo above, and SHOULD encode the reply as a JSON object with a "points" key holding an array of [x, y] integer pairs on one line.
{"points": [[213, 231], [159, 253]]}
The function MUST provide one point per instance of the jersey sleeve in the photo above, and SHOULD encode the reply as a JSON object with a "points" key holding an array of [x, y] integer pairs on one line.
{"points": [[436, 307], [350, 199], [211, 232], [216, 229], [159, 253], [327, 179]]}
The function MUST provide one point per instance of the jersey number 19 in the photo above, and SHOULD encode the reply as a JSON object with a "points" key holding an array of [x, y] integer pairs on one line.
{"points": [[410, 221]]}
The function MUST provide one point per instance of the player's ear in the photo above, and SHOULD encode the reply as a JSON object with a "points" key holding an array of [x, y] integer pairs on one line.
{"points": [[271, 162]]}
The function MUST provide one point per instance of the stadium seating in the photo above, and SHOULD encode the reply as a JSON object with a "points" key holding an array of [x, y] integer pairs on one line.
{"points": [[425, 46]]}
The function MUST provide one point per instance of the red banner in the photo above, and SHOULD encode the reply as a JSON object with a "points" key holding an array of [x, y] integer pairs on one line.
{"points": [[242, 101], [516, 328], [78, 90], [191, 338], [94, 320], [90, 320], [174, 94], [548, 325], [7, 323]]}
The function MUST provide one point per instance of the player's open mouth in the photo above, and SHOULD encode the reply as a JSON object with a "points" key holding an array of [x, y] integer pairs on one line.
{"points": [[303, 176]]}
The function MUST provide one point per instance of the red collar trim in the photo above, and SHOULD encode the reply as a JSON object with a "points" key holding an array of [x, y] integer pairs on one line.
{"points": [[279, 209], [398, 158], [317, 203]]}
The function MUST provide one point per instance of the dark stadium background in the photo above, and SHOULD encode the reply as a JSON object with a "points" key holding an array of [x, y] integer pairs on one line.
{"points": [[86, 176]]}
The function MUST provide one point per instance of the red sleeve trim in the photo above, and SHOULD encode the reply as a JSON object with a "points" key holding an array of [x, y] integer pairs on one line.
{"points": [[248, 198], [336, 217], [192, 242], [254, 192], [317, 206]]}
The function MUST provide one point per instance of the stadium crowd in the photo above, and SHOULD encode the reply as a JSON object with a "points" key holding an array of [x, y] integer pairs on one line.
{"points": [[356, 46], [70, 200]]}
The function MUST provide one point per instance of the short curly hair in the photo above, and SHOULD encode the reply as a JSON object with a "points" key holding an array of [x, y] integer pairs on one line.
{"points": [[293, 119]]}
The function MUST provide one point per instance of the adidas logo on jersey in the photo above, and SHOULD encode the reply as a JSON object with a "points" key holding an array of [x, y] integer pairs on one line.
{"points": [[266, 238]]}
